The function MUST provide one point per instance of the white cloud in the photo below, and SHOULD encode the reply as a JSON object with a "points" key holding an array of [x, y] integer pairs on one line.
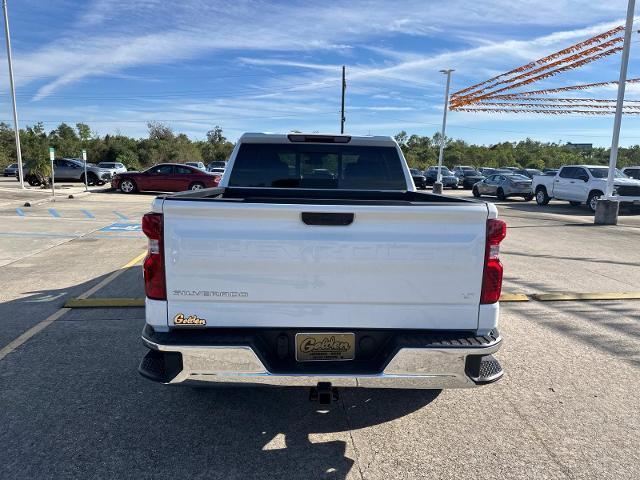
{"points": [[148, 32], [301, 48]]}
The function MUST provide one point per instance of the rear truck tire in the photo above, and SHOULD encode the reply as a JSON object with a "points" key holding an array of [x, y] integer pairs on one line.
{"points": [[454, 187], [500, 194], [528, 198], [128, 186], [475, 192], [574, 204], [92, 178], [541, 196], [592, 200], [196, 186]]}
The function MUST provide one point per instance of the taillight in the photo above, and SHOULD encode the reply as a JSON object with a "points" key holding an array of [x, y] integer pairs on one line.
{"points": [[492, 276], [154, 278]]}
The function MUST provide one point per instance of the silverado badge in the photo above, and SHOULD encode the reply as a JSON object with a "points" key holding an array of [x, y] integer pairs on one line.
{"points": [[180, 319]]}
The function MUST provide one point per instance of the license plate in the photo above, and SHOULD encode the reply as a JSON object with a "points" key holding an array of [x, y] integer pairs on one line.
{"points": [[326, 346]]}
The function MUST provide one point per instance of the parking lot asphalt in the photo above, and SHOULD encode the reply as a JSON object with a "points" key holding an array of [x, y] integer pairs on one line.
{"points": [[73, 405]]}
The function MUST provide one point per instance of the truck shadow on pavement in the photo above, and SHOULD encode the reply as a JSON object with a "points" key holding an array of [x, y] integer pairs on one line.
{"points": [[72, 404], [609, 326]]}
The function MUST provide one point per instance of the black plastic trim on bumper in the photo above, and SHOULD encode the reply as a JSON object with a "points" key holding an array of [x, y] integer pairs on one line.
{"points": [[375, 349]]}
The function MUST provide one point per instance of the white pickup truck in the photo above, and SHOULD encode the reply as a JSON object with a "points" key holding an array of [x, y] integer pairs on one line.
{"points": [[317, 263], [580, 184]]}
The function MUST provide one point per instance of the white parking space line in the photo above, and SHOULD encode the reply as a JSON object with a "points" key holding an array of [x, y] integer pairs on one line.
{"points": [[6, 350], [11, 346]]}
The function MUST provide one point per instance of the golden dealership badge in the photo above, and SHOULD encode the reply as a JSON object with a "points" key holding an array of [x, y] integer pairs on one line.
{"points": [[180, 319]]}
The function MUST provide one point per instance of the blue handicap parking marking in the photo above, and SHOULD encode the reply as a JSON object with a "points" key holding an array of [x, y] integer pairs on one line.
{"points": [[121, 215], [88, 214], [122, 227], [20, 212], [54, 213]]}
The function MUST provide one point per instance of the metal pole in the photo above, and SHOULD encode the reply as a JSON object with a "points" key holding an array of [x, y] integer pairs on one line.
{"points": [[13, 94], [344, 86], [52, 156], [613, 157], [437, 187], [86, 180]]}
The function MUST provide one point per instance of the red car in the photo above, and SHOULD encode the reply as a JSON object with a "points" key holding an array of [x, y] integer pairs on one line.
{"points": [[165, 177]]}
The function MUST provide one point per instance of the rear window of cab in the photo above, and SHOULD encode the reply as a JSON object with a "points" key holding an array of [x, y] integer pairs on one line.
{"points": [[318, 166]]}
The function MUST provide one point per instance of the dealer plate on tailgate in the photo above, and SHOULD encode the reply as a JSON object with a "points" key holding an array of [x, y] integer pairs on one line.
{"points": [[325, 346]]}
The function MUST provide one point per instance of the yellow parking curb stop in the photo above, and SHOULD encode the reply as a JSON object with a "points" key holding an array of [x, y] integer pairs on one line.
{"points": [[104, 302], [563, 297], [514, 297]]}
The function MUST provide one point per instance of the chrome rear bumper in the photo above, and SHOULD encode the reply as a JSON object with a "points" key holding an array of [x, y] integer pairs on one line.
{"points": [[459, 366]]}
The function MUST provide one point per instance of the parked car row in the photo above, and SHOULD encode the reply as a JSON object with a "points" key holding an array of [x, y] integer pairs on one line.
{"points": [[419, 179], [578, 184], [467, 176], [429, 176], [165, 177], [449, 180]]}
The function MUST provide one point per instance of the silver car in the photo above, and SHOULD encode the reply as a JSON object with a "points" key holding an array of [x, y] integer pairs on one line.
{"points": [[199, 165], [114, 167], [72, 169], [504, 185]]}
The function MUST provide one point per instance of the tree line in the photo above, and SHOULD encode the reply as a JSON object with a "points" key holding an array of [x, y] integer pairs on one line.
{"points": [[422, 152], [162, 144]]}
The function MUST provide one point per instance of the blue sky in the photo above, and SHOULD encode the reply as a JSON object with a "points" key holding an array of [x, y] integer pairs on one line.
{"points": [[251, 65]]}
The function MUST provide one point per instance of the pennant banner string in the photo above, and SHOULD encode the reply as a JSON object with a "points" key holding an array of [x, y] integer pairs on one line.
{"points": [[579, 63], [553, 56], [552, 105], [516, 96], [557, 63], [546, 112]]}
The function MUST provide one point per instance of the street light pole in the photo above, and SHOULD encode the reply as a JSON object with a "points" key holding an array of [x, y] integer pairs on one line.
{"points": [[437, 186], [613, 157], [607, 209], [13, 93], [344, 87]]}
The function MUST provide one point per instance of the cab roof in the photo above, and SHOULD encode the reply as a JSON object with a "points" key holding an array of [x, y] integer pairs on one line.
{"points": [[332, 138]]}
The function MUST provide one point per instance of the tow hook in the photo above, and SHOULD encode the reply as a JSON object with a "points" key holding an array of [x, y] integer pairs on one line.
{"points": [[324, 393]]}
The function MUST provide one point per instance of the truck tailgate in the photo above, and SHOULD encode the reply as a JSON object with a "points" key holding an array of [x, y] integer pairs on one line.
{"points": [[414, 266]]}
